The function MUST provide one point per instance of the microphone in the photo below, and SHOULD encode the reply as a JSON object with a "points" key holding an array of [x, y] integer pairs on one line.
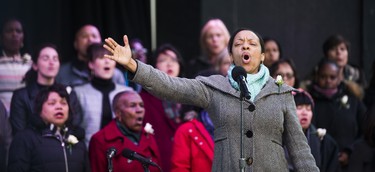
{"points": [[127, 153], [111, 152], [239, 75]]}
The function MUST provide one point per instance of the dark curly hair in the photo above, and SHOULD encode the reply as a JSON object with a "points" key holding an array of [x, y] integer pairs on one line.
{"points": [[42, 97]]}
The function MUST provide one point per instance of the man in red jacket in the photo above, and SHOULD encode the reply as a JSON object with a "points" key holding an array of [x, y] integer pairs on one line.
{"points": [[124, 132]]}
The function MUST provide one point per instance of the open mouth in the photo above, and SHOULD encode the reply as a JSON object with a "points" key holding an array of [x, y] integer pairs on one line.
{"points": [[59, 115], [246, 58], [303, 120], [140, 119], [107, 68]]}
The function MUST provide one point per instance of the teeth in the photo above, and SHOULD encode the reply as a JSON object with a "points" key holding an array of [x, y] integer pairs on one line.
{"points": [[59, 114]]}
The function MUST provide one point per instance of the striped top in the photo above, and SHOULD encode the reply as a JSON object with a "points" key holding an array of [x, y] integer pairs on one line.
{"points": [[12, 71]]}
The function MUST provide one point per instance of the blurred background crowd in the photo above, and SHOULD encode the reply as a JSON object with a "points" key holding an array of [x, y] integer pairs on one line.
{"points": [[55, 82]]}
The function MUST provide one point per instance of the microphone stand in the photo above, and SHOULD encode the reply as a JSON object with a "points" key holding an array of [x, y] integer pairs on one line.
{"points": [[242, 161], [145, 167], [110, 164], [242, 158]]}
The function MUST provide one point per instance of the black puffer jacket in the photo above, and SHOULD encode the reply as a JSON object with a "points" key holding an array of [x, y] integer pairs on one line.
{"points": [[342, 115], [40, 150]]}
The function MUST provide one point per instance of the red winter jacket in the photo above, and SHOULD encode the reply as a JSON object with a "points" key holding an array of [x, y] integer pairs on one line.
{"points": [[193, 148], [110, 136]]}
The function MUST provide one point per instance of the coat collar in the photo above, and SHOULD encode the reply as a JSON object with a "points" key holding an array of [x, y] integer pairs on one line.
{"points": [[113, 137], [222, 84], [113, 133]]}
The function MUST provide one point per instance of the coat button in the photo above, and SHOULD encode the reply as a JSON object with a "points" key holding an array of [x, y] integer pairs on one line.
{"points": [[251, 107], [249, 161], [249, 134]]}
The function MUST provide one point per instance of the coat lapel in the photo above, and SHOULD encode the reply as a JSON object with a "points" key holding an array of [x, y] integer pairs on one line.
{"points": [[222, 84]]}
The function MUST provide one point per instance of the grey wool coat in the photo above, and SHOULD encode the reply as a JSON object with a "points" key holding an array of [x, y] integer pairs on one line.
{"points": [[271, 125]]}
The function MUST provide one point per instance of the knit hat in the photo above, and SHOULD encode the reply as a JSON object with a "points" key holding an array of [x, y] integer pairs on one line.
{"points": [[302, 97]]}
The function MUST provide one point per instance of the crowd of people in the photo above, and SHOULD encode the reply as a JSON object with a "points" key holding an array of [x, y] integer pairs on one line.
{"points": [[118, 107]]}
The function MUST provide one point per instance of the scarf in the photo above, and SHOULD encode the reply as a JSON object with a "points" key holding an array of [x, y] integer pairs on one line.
{"points": [[255, 82], [105, 86], [133, 136], [327, 92], [172, 110]]}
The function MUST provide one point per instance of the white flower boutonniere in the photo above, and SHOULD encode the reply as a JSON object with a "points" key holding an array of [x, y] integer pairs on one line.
{"points": [[279, 81], [68, 89], [26, 58], [321, 132], [149, 129], [71, 140], [344, 101]]}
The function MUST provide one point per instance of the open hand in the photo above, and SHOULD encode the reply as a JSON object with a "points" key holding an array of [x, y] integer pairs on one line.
{"points": [[120, 54]]}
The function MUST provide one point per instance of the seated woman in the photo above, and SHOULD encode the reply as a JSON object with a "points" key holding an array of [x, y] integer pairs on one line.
{"points": [[96, 96], [323, 147], [164, 115], [273, 51], [46, 64], [14, 62], [193, 146], [287, 70], [336, 108], [52, 143]]}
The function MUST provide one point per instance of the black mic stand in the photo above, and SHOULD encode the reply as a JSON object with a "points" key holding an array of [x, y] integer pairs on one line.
{"points": [[242, 160], [145, 167]]}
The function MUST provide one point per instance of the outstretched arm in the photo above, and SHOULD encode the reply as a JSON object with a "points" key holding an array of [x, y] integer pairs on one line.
{"points": [[121, 54]]}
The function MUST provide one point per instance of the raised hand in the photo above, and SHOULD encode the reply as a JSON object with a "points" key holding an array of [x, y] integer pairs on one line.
{"points": [[120, 54]]}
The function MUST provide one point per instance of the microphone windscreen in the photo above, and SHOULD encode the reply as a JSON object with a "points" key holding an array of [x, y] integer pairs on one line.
{"points": [[237, 72], [127, 153]]}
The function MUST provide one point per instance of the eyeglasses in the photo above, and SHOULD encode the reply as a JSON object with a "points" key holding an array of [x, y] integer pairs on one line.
{"points": [[286, 75]]}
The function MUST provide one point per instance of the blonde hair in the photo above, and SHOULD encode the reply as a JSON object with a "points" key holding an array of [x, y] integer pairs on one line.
{"points": [[210, 24]]}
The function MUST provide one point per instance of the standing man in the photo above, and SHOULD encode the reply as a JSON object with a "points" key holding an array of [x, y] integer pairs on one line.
{"points": [[124, 132], [77, 72]]}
